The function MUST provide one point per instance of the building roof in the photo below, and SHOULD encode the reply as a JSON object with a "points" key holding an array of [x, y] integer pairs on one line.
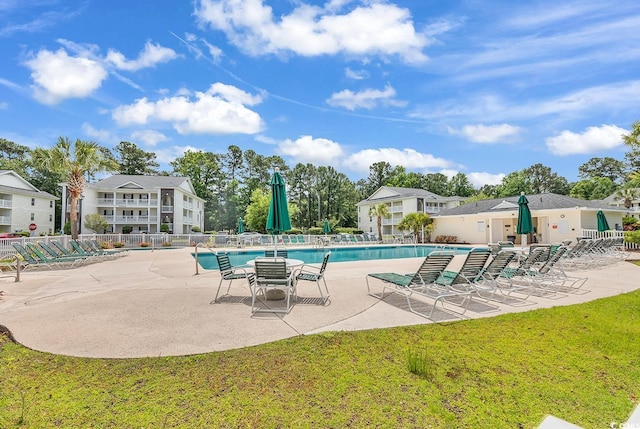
{"points": [[146, 182], [29, 189], [396, 193], [547, 201]]}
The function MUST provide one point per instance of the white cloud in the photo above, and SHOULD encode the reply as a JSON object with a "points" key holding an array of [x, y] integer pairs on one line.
{"points": [[592, 140], [166, 155], [307, 149], [149, 137], [151, 55], [58, 76], [409, 158], [376, 28], [356, 74], [479, 179], [220, 110], [487, 133], [100, 136], [4, 105], [366, 99]]}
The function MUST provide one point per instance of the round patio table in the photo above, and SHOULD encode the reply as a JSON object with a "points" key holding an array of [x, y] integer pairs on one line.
{"points": [[276, 294]]}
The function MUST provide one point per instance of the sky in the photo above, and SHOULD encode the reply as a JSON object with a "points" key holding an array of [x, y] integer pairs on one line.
{"points": [[485, 88]]}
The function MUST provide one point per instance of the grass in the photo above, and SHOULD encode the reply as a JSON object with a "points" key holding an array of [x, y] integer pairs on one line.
{"points": [[579, 363]]}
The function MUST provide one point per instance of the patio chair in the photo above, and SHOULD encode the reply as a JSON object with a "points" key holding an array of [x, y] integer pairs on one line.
{"points": [[313, 273], [229, 273], [39, 256], [29, 260], [271, 253], [272, 273], [423, 283], [493, 278], [59, 256], [467, 274]]}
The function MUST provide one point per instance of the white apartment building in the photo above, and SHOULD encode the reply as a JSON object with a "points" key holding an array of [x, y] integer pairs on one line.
{"points": [[401, 202], [142, 203], [23, 207]]}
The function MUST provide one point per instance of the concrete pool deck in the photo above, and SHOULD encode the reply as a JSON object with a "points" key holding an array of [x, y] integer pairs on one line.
{"points": [[151, 303]]}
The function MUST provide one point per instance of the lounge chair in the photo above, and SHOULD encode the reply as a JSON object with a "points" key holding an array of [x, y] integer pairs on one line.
{"points": [[59, 256], [313, 273], [272, 273], [229, 273], [494, 278], [29, 260], [469, 272], [423, 283]]}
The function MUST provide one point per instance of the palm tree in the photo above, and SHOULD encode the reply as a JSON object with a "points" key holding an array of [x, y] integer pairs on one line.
{"points": [[628, 195], [379, 211], [75, 161], [416, 223]]}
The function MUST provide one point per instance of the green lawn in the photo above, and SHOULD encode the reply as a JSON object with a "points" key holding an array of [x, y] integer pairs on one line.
{"points": [[580, 363]]}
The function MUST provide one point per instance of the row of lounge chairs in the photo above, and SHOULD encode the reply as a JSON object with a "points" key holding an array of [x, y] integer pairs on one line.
{"points": [[506, 276], [54, 255]]}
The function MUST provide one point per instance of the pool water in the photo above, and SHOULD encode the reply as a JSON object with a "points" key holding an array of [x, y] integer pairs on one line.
{"points": [[207, 260]]}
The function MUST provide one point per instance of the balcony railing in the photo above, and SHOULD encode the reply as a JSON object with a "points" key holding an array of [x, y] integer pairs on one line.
{"points": [[5, 203], [167, 209], [131, 219], [122, 202], [187, 205], [5, 220]]}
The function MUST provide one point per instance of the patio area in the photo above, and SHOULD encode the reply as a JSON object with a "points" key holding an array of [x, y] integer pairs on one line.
{"points": [[151, 303]]}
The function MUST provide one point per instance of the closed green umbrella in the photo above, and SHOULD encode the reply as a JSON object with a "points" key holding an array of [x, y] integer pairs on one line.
{"points": [[326, 227], [525, 223], [240, 225], [603, 225], [278, 220]]}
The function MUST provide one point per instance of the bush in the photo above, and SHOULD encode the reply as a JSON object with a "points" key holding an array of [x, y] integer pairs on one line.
{"points": [[118, 244], [632, 237], [315, 231], [106, 245], [144, 244], [195, 229], [126, 229], [446, 239], [164, 228], [166, 244]]}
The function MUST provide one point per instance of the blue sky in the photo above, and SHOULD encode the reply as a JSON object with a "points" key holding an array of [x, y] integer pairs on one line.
{"points": [[480, 87]]}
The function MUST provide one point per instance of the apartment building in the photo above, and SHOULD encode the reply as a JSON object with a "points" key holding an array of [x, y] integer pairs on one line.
{"points": [[401, 202], [23, 207], [140, 204]]}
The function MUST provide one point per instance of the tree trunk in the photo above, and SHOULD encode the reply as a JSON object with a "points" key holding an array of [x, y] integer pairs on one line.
{"points": [[73, 216], [379, 229]]}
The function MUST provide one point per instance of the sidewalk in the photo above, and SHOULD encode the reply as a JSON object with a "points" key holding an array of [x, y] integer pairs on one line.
{"points": [[151, 303]]}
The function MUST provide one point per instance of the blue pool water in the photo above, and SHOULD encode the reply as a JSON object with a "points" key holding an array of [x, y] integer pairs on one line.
{"points": [[208, 261]]}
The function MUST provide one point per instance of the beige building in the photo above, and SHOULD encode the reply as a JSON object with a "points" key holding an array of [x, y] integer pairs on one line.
{"points": [[23, 207], [401, 202], [555, 218], [142, 203]]}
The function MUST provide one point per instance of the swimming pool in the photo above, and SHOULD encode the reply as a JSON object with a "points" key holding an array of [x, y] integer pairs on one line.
{"points": [[207, 260]]}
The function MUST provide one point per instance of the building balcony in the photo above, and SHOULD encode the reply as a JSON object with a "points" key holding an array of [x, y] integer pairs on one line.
{"points": [[131, 219], [5, 220], [4, 203], [122, 202], [167, 209]]}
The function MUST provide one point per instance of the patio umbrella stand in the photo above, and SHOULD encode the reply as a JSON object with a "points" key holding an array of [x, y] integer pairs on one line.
{"points": [[525, 223]]}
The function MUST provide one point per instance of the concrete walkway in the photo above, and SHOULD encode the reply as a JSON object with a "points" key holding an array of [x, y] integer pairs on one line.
{"points": [[151, 303]]}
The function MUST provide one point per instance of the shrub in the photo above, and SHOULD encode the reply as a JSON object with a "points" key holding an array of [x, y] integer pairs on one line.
{"points": [[166, 244], [144, 244], [632, 237], [164, 228], [314, 231], [126, 229], [195, 229], [446, 239], [106, 245], [118, 244]]}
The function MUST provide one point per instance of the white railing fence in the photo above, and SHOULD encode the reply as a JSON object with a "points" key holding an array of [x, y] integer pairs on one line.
{"points": [[594, 233]]}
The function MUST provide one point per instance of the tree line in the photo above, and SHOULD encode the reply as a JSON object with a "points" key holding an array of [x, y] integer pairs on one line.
{"points": [[231, 182]]}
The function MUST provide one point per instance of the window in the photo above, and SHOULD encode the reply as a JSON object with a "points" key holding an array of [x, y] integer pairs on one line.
{"points": [[50, 204], [33, 216], [33, 202], [50, 218]]}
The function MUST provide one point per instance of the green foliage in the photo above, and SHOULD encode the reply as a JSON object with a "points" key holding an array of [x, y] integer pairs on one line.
{"points": [[632, 236], [133, 160], [127, 229], [610, 168], [164, 227], [596, 188], [417, 223], [256, 214], [67, 228], [96, 222], [195, 229], [629, 220], [446, 239], [575, 362]]}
